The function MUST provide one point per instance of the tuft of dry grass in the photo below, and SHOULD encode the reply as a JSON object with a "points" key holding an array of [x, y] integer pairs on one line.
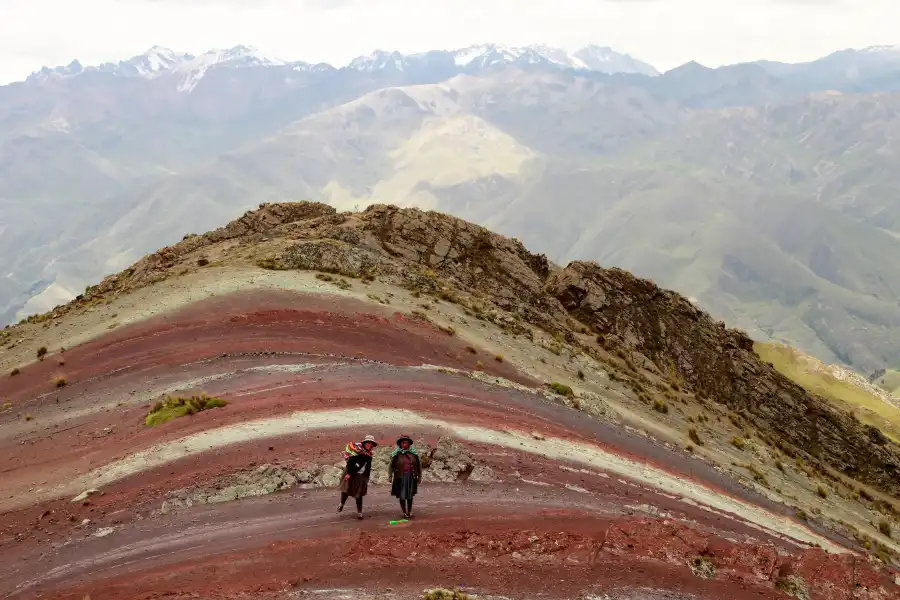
{"points": [[42, 352], [822, 491], [14, 372], [884, 526], [695, 437], [499, 358], [60, 381], [738, 442], [660, 407]]}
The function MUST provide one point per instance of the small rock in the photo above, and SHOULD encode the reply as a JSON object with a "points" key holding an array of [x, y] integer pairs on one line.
{"points": [[85, 522], [84, 495], [104, 531]]}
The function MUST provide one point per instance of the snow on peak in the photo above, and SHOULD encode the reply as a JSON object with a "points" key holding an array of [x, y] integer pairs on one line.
{"points": [[589, 58], [882, 49], [159, 60], [378, 60]]}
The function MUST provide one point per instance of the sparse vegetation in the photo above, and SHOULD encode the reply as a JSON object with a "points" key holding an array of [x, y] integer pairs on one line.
{"points": [[60, 381], [471, 350], [448, 329], [660, 407], [479, 365], [695, 437], [172, 407], [7, 405], [28, 417], [738, 442], [42, 352], [443, 594], [202, 262], [580, 374], [884, 526], [14, 372], [821, 491], [562, 389]]}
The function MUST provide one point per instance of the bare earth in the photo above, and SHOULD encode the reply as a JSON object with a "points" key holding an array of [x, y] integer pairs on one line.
{"points": [[564, 503]]}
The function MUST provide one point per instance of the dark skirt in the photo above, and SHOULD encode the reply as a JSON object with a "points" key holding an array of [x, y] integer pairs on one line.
{"points": [[405, 487], [357, 486]]}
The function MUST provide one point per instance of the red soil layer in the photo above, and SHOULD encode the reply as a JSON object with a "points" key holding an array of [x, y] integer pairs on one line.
{"points": [[205, 338], [253, 321], [513, 551]]}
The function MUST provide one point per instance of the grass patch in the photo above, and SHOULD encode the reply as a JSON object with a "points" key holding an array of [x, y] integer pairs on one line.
{"points": [[562, 389], [738, 442], [60, 381], [884, 526], [499, 358], [842, 393], [42, 352], [660, 407], [173, 407], [822, 492], [443, 594]]}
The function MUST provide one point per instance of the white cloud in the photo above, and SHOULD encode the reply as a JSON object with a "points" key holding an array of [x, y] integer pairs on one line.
{"points": [[664, 32]]}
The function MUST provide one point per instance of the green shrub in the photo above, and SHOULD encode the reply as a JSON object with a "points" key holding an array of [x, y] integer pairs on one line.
{"points": [[173, 407], [562, 389]]}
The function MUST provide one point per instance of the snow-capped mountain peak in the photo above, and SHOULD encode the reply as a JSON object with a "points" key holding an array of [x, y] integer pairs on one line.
{"points": [[589, 58], [159, 60], [378, 60]]}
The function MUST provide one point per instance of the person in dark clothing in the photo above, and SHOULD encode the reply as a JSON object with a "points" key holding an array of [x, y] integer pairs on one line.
{"points": [[405, 474], [355, 478]]}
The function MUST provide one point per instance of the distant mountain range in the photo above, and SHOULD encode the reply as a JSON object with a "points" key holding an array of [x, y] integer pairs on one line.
{"points": [[765, 191], [159, 61]]}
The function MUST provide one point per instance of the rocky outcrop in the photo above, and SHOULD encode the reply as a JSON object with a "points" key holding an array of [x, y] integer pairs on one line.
{"points": [[448, 462], [719, 363]]}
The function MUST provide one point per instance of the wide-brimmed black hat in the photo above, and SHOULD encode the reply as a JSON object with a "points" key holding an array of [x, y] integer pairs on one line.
{"points": [[405, 437]]}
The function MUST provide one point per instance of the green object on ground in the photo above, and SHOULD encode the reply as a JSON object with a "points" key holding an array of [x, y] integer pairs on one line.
{"points": [[400, 521]]}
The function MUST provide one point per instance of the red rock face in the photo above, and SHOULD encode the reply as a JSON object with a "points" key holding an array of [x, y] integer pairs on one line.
{"points": [[539, 526]]}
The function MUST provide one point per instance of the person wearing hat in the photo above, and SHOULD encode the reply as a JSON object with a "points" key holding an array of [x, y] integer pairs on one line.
{"points": [[405, 474], [355, 478]]}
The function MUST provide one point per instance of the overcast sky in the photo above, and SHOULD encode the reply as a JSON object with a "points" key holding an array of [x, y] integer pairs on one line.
{"points": [[665, 33]]}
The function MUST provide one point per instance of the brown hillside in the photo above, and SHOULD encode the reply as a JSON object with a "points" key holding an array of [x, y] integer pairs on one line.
{"points": [[446, 256]]}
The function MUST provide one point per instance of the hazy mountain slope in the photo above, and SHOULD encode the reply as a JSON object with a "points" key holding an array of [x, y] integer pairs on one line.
{"points": [[752, 212], [772, 208]]}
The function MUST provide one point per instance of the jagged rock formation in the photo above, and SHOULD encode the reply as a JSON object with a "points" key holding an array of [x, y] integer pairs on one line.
{"points": [[438, 253], [720, 363]]}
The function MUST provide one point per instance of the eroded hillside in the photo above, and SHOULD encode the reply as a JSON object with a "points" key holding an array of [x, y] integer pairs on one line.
{"points": [[645, 434]]}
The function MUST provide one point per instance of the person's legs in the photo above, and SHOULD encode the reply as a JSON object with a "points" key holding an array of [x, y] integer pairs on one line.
{"points": [[409, 506], [403, 506], [359, 506], [343, 501]]}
